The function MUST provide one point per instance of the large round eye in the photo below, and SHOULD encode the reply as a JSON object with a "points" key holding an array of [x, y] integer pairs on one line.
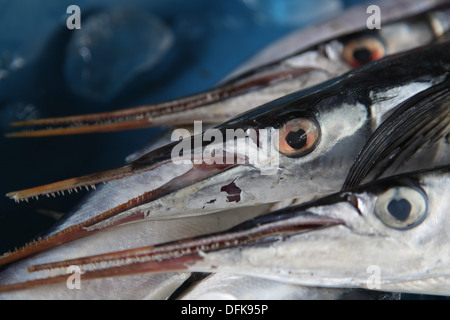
{"points": [[401, 207], [363, 50], [298, 137]]}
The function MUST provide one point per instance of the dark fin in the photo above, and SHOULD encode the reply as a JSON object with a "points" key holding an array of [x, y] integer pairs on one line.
{"points": [[422, 118]]}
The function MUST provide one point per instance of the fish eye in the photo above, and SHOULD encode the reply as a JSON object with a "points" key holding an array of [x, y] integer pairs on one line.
{"points": [[402, 207], [298, 137], [363, 50]]}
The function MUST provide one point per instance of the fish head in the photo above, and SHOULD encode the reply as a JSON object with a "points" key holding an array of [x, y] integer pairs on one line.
{"points": [[391, 235]]}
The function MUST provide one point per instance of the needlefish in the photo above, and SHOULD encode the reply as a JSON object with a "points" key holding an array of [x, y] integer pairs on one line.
{"points": [[298, 61], [380, 119], [117, 194], [395, 228]]}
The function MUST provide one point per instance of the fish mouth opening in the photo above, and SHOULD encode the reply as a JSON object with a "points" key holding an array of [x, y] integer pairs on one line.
{"points": [[192, 173]]}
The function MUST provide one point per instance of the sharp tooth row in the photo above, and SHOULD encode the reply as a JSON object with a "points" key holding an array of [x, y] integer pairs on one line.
{"points": [[54, 194]]}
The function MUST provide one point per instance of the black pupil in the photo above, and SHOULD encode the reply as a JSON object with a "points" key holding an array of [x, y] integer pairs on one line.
{"points": [[296, 140], [399, 209], [362, 55]]}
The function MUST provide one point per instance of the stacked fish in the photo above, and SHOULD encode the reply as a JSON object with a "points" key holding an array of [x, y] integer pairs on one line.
{"points": [[347, 195]]}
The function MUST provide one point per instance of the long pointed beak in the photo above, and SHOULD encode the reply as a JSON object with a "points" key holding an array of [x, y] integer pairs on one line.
{"points": [[126, 119], [205, 106], [159, 159], [180, 255]]}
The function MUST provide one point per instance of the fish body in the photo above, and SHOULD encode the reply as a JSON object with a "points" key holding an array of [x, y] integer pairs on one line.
{"points": [[390, 119]]}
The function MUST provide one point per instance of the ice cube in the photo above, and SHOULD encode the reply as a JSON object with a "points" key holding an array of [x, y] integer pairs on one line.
{"points": [[112, 48]]}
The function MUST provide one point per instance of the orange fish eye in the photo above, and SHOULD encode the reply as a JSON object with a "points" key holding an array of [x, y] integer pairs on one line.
{"points": [[298, 137], [363, 50]]}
